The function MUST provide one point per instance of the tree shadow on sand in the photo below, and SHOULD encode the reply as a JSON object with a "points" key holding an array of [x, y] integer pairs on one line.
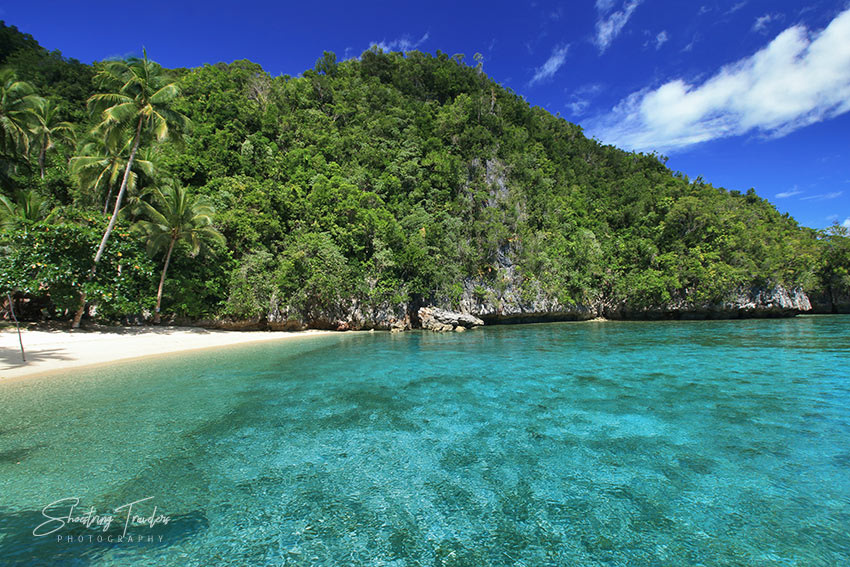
{"points": [[142, 330], [11, 357]]}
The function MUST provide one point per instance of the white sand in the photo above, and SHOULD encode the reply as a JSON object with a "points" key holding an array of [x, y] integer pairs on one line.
{"points": [[55, 351]]}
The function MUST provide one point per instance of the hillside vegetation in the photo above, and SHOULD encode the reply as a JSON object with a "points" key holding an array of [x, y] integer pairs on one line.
{"points": [[369, 185]]}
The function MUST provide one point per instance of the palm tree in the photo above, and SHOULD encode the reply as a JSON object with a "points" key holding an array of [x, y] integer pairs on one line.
{"points": [[48, 129], [176, 216], [100, 166], [142, 98], [17, 102], [28, 206]]}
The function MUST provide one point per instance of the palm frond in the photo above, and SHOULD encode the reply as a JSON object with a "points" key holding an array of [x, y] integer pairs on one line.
{"points": [[165, 94], [101, 101], [176, 213]]}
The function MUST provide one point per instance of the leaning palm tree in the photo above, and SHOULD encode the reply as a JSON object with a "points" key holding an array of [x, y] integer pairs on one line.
{"points": [[17, 102], [141, 98], [176, 216], [48, 129], [99, 167]]}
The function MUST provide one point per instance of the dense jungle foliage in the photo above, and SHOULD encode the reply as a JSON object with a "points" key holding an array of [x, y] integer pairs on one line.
{"points": [[384, 178]]}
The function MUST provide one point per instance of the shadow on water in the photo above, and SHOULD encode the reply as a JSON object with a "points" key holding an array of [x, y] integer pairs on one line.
{"points": [[19, 547], [17, 455]]}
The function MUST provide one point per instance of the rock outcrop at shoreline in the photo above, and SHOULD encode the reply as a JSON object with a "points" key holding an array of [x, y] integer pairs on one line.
{"points": [[831, 302], [480, 305], [441, 320], [516, 302], [750, 303]]}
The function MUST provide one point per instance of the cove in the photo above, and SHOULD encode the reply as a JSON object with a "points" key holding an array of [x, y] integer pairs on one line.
{"points": [[597, 443]]}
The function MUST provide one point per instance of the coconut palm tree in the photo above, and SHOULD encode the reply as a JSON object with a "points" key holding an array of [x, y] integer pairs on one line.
{"points": [[176, 216], [99, 167], [48, 129], [17, 102], [141, 98]]}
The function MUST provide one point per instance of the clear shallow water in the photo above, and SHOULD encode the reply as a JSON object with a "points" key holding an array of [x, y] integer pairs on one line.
{"points": [[681, 443]]}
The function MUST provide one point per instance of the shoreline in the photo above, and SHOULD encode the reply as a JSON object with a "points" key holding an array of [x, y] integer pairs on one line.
{"points": [[52, 352]]}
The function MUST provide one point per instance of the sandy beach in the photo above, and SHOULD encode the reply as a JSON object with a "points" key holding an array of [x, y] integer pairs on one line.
{"points": [[55, 351]]}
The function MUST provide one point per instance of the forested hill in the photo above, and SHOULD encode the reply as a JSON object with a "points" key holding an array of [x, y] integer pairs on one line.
{"points": [[363, 189]]}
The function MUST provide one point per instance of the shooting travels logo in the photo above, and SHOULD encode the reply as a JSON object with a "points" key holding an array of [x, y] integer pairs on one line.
{"points": [[134, 522]]}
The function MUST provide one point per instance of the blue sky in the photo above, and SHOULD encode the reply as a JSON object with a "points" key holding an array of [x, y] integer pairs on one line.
{"points": [[745, 93]]}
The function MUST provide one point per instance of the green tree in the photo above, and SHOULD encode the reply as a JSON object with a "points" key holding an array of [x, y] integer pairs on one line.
{"points": [[18, 102], [313, 275], [100, 165], [142, 98], [176, 216], [52, 261], [834, 269], [48, 129], [327, 64]]}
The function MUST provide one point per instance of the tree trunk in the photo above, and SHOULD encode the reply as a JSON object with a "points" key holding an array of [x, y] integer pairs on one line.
{"points": [[120, 196], [108, 197], [79, 315], [162, 280], [41, 160]]}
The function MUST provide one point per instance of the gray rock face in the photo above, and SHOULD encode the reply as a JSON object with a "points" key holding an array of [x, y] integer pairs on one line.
{"points": [[353, 315], [440, 320], [510, 303], [746, 303], [830, 301], [507, 297], [484, 303], [779, 301]]}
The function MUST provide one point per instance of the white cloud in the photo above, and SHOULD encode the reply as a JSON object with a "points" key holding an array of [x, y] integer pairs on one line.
{"points": [[581, 97], [551, 66], [846, 223], [790, 193], [578, 107], [404, 43], [609, 26], [823, 196], [735, 8], [762, 22], [796, 80], [661, 39]]}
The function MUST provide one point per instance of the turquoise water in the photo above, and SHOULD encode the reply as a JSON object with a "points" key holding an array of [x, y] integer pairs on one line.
{"points": [[680, 443]]}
